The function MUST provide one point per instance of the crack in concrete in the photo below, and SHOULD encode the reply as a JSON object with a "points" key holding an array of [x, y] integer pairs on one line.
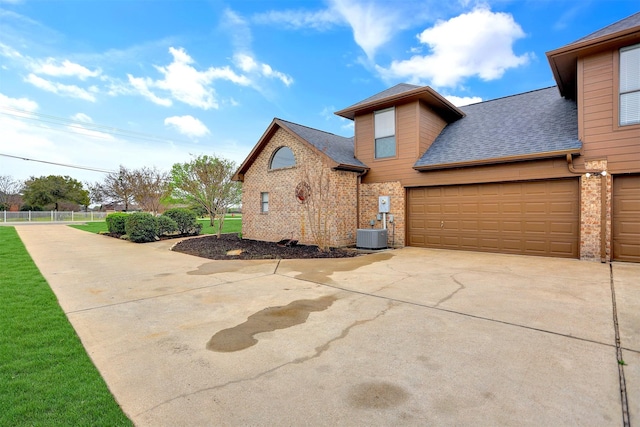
{"points": [[318, 352], [452, 294]]}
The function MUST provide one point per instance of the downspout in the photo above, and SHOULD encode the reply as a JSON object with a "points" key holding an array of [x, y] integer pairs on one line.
{"points": [[358, 182], [603, 218], [603, 205]]}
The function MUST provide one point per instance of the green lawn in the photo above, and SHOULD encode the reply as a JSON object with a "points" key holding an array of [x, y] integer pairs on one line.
{"points": [[46, 377], [231, 225]]}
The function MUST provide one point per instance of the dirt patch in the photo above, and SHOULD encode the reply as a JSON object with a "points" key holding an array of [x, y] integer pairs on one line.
{"points": [[230, 246]]}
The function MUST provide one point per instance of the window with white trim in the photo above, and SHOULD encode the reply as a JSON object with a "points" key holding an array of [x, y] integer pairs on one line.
{"points": [[385, 133], [264, 202], [630, 85]]}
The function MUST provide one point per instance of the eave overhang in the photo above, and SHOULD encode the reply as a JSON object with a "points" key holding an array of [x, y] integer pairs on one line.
{"points": [[428, 96], [563, 61], [498, 160]]}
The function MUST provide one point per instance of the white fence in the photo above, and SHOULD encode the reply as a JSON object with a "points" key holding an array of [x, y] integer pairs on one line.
{"points": [[52, 216]]}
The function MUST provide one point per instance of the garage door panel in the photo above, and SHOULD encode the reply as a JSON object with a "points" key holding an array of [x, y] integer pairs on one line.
{"points": [[537, 227], [562, 207], [489, 226], [626, 218], [535, 208], [563, 228], [538, 217], [510, 208]]}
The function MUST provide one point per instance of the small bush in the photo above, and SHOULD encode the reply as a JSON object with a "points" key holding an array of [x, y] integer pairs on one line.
{"points": [[166, 225], [115, 222], [141, 227], [185, 219]]}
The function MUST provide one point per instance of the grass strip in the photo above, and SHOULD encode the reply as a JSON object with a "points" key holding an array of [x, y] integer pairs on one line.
{"points": [[46, 376]]}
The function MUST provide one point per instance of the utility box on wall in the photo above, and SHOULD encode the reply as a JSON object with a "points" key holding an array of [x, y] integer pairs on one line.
{"points": [[384, 204], [371, 238]]}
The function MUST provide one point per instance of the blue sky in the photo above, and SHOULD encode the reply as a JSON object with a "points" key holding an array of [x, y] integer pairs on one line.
{"points": [[100, 84]]}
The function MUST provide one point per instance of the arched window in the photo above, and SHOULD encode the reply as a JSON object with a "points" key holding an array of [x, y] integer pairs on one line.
{"points": [[282, 158]]}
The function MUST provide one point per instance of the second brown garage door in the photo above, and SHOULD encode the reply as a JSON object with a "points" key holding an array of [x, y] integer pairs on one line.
{"points": [[530, 218], [626, 218]]}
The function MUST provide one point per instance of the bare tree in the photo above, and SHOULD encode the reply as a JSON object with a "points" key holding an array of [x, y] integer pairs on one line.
{"points": [[117, 187], [150, 186], [314, 192], [9, 191], [206, 181]]}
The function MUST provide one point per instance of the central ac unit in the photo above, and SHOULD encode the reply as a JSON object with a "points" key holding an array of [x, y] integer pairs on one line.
{"points": [[373, 238]]}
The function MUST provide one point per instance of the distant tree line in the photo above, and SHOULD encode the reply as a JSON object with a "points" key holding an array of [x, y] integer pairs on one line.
{"points": [[204, 183]]}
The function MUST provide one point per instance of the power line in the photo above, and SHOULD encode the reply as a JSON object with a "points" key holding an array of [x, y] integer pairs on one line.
{"points": [[60, 164]]}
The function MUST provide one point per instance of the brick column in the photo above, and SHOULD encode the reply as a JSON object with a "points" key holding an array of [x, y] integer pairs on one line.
{"points": [[595, 212]]}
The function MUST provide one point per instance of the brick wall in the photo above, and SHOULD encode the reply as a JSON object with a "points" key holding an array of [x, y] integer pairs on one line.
{"points": [[591, 225], [369, 194], [331, 208]]}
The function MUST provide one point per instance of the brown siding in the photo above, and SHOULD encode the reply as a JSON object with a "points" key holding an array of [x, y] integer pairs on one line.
{"points": [[597, 108], [517, 171], [430, 127], [417, 126]]}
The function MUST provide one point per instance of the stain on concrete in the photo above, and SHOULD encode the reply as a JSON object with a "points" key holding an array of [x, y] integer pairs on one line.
{"points": [[377, 395], [236, 266], [319, 270], [270, 319], [163, 274]]}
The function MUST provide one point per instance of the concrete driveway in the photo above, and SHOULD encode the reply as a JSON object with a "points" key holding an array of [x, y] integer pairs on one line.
{"points": [[404, 337]]}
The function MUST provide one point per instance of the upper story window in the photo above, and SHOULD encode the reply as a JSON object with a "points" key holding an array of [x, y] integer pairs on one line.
{"points": [[282, 158], [264, 202], [630, 85], [385, 133]]}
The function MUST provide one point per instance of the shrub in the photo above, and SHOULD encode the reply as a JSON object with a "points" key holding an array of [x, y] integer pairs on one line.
{"points": [[185, 219], [141, 227], [115, 222], [166, 225]]}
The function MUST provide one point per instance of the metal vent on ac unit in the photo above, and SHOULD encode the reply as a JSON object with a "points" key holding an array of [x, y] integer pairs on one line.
{"points": [[371, 238]]}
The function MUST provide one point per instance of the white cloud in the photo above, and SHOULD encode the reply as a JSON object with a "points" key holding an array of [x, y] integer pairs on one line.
{"points": [[459, 101], [72, 91], [66, 68], [9, 52], [249, 65], [24, 104], [373, 24], [245, 62], [141, 85], [295, 19], [187, 125], [185, 83], [478, 43], [81, 117]]}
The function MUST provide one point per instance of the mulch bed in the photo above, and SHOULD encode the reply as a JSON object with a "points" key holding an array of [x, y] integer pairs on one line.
{"points": [[213, 247]]}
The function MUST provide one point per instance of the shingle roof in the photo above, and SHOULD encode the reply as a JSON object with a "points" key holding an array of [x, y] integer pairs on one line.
{"points": [[624, 24], [395, 90], [337, 148], [523, 125]]}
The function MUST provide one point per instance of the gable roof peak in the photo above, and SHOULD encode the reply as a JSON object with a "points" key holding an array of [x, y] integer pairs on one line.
{"points": [[403, 93]]}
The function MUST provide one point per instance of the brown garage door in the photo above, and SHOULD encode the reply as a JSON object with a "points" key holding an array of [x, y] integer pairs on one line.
{"points": [[531, 218], [626, 218]]}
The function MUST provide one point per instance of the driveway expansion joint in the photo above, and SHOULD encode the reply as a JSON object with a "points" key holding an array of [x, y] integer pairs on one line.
{"points": [[624, 400]]}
